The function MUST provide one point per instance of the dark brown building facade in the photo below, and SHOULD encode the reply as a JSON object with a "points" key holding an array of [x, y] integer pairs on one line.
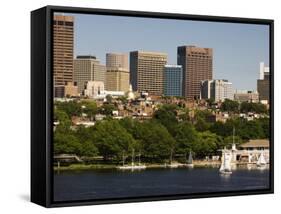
{"points": [[197, 64], [63, 29]]}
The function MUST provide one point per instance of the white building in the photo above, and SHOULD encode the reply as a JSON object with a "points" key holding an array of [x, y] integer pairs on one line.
{"points": [[95, 90], [219, 90]]}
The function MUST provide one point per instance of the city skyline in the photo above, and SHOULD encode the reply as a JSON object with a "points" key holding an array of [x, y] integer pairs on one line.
{"points": [[133, 96], [238, 48]]}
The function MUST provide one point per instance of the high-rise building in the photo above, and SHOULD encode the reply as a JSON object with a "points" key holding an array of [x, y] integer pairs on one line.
{"points": [[88, 68], [197, 64], [63, 31], [264, 71], [173, 80], [219, 90], [146, 71], [263, 86], [117, 79], [119, 60]]}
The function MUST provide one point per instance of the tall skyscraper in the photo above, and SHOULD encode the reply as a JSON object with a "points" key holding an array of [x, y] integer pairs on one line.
{"points": [[173, 80], [63, 30], [88, 68], [117, 60], [197, 64], [146, 71], [219, 90], [117, 79], [263, 86]]}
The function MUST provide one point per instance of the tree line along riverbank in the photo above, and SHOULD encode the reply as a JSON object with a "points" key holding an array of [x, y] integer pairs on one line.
{"points": [[171, 133]]}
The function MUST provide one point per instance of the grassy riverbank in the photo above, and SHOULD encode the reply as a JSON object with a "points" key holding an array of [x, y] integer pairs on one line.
{"points": [[113, 166]]}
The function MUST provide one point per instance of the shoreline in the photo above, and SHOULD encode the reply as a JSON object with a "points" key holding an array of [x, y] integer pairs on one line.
{"points": [[73, 167]]}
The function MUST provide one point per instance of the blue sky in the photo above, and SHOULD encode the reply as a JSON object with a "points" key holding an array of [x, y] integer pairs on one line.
{"points": [[238, 48]]}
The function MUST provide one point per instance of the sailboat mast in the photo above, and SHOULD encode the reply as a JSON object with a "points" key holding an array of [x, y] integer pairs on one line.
{"points": [[123, 158], [233, 133], [133, 157]]}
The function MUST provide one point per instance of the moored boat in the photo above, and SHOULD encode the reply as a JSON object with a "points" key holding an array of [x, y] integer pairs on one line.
{"points": [[225, 168]]}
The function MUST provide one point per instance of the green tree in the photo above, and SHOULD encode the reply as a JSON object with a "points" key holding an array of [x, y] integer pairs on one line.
{"points": [[66, 144], [208, 144], [107, 109], [112, 139], [166, 115], [201, 125], [157, 141], [227, 142], [71, 108], [63, 120], [259, 108], [89, 108], [108, 98], [230, 106], [251, 130], [88, 149], [265, 124], [186, 137], [184, 114]]}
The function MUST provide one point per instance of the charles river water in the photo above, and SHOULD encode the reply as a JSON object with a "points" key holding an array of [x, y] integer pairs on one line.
{"points": [[113, 183]]}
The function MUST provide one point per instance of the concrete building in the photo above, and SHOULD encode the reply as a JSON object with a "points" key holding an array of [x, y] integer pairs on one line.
{"points": [[246, 96], [219, 90], [146, 71], [173, 80], [96, 90], [197, 64], [63, 39], [117, 60], [117, 79], [263, 84], [88, 68], [70, 89]]}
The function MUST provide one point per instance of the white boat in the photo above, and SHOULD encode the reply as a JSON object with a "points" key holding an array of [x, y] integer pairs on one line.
{"points": [[190, 161], [261, 161], [173, 165], [133, 166], [226, 163]]}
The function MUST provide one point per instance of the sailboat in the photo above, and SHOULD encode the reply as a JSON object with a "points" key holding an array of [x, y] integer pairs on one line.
{"points": [[190, 160], [261, 161], [172, 164], [226, 163], [133, 166]]}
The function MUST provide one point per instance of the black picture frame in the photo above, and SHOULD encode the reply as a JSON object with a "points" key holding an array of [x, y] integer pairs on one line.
{"points": [[42, 103]]}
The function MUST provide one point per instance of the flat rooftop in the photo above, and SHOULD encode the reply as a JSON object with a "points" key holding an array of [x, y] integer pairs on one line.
{"points": [[256, 143]]}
